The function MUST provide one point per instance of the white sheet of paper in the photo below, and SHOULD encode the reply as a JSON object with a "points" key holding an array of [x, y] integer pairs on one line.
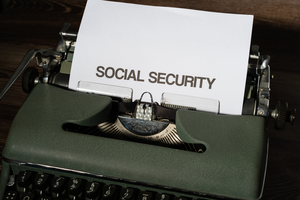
{"points": [[163, 49]]}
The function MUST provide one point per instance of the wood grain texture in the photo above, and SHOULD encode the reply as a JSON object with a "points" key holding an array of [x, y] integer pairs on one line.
{"points": [[28, 24], [278, 12]]}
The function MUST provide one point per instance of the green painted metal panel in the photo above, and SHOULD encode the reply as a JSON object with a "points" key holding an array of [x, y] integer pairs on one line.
{"points": [[233, 164]]}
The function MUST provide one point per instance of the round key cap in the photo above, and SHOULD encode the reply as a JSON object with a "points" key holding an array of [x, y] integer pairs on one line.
{"points": [[11, 195], [26, 196], [58, 184], [41, 181], [75, 186], [109, 192], [127, 194], [24, 179], [92, 190]]}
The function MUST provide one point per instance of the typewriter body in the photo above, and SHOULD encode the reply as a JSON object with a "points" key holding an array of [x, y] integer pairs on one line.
{"points": [[74, 145]]}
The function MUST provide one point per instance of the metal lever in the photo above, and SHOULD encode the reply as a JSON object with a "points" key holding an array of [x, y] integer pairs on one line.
{"points": [[64, 32], [265, 61], [24, 63]]}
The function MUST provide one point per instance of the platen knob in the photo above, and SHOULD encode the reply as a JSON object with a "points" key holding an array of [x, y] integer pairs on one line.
{"points": [[29, 79], [282, 115]]}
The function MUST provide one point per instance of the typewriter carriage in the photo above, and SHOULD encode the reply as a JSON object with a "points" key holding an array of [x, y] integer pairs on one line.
{"points": [[57, 64], [126, 114]]}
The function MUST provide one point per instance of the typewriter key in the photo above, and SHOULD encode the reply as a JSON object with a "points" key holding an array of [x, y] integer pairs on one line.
{"points": [[162, 196], [109, 192], [41, 181], [24, 179], [92, 190], [75, 186], [58, 184], [27, 196], [146, 195], [11, 195], [128, 194]]}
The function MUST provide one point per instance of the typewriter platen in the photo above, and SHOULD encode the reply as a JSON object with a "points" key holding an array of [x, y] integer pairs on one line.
{"points": [[153, 151]]}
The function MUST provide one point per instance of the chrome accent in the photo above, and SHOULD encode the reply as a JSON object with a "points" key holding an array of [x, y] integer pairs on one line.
{"points": [[264, 93], [11, 182], [265, 62], [48, 167]]}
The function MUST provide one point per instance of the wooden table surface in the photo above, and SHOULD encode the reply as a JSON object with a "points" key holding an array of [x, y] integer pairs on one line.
{"points": [[35, 24]]}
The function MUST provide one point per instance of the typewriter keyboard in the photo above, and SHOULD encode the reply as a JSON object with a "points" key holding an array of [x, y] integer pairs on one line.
{"points": [[32, 185]]}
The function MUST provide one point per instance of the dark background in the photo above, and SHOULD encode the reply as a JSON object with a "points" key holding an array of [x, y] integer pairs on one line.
{"points": [[28, 24]]}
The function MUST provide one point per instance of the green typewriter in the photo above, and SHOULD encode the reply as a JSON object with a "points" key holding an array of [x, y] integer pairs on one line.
{"points": [[75, 145]]}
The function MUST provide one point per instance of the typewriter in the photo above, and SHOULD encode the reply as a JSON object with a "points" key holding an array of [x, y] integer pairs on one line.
{"points": [[74, 145]]}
